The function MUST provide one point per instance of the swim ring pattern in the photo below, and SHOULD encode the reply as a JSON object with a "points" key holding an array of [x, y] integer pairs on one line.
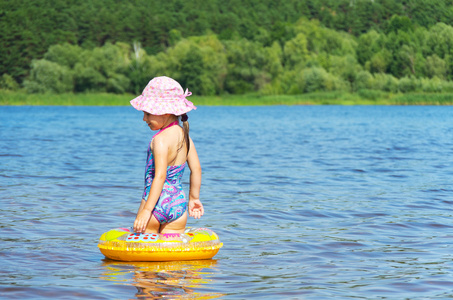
{"points": [[125, 245]]}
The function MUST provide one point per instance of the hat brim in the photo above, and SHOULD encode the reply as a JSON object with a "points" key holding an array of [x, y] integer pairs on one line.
{"points": [[175, 106]]}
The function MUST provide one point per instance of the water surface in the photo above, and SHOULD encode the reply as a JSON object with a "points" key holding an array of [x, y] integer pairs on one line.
{"points": [[311, 202]]}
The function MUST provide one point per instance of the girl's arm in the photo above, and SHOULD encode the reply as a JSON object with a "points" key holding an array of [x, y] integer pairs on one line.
{"points": [[160, 152], [196, 209]]}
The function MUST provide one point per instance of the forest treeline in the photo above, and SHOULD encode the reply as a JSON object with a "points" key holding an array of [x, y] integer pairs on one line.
{"points": [[213, 47]]}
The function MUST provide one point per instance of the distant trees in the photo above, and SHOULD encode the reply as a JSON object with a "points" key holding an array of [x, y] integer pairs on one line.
{"points": [[311, 58], [47, 76], [264, 46]]}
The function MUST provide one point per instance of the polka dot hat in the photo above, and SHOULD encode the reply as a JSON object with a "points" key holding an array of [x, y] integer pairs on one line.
{"points": [[163, 95]]}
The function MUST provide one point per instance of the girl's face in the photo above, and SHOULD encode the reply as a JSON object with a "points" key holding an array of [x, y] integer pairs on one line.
{"points": [[154, 122]]}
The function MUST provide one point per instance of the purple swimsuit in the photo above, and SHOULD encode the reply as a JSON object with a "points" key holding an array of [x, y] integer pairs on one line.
{"points": [[172, 202]]}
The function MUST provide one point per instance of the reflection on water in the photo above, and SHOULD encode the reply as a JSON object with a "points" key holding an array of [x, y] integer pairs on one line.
{"points": [[182, 280], [319, 202]]}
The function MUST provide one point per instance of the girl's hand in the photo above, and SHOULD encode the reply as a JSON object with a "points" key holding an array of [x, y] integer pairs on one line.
{"points": [[141, 221], [195, 208]]}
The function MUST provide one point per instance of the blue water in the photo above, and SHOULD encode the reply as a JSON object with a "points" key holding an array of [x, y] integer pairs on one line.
{"points": [[311, 202]]}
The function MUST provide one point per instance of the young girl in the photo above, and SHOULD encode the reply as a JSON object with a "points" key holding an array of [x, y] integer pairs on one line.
{"points": [[163, 208]]}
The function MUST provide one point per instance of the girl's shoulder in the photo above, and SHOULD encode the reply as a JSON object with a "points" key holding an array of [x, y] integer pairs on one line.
{"points": [[169, 136]]}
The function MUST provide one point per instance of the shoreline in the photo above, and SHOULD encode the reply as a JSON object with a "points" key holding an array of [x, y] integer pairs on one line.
{"points": [[367, 97]]}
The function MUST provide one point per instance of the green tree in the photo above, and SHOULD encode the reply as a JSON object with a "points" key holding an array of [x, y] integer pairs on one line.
{"points": [[316, 80], [64, 54], [7, 82], [282, 32], [408, 84], [449, 65], [399, 23], [274, 56], [295, 50], [347, 68], [439, 40], [428, 12], [435, 67], [198, 63], [139, 70], [102, 70], [395, 43], [408, 58], [246, 61], [368, 45], [364, 80], [379, 62], [214, 63], [49, 77], [88, 79], [190, 70], [384, 82]]}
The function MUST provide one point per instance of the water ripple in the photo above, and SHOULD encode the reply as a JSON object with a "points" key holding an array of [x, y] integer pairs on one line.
{"points": [[310, 202]]}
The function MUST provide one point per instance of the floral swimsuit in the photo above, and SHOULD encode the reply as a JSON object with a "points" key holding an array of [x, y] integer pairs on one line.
{"points": [[172, 202]]}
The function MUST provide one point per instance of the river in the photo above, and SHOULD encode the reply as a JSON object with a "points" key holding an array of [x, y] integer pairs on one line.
{"points": [[311, 202]]}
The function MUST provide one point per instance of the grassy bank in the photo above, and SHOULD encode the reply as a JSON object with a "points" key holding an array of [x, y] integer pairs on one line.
{"points": [[364, 97], [20, 98]]}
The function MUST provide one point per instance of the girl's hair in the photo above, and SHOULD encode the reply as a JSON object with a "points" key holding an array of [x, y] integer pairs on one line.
{"points": [[185, 126]]}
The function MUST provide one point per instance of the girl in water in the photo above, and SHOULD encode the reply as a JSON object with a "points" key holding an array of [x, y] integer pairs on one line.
{"points": [[163, 208]]}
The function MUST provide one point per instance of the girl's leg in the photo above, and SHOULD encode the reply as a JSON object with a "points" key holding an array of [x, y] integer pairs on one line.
{"points": [[153, 225], [177, 226]]}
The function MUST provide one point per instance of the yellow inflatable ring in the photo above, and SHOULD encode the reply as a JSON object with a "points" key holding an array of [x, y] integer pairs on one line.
{"points": [[194, 244]]}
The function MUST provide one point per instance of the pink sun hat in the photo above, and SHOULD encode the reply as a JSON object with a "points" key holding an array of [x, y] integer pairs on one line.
{"points": [[163, 95]]}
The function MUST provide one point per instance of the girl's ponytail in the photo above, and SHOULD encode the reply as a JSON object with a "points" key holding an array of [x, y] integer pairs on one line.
{"points": [[185, 126]]}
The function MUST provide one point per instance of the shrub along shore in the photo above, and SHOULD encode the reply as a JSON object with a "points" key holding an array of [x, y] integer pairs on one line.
{"points": [[363, 97]]}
